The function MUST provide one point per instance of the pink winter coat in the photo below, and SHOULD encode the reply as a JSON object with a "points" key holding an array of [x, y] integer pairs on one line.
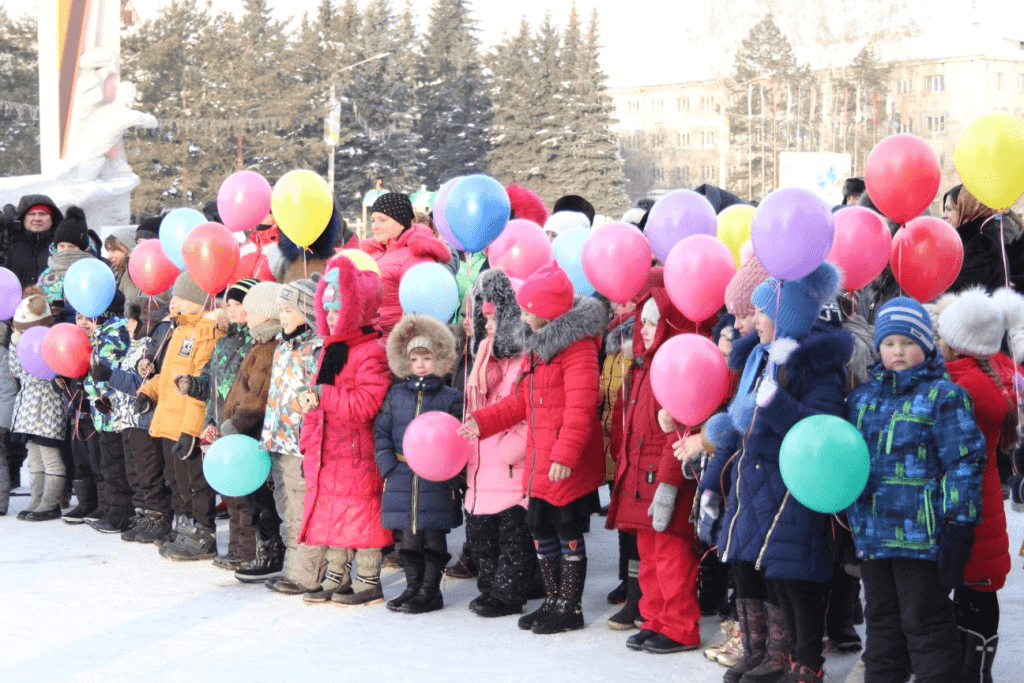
{"points": [[495, 469], [395, 257]]}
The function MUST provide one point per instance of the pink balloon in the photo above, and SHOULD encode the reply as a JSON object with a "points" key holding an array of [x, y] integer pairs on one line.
{"points": [[440, 221], [861, 246], [676, 216], [433, 448], [243, 200], [617, 260], [697, 271], [689, 378], [521, 248]]}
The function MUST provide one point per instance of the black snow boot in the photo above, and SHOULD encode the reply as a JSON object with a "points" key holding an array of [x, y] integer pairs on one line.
{"points": [[428, 598], [268, 563], [155, 528], [550, 572], [624, 619], [195, 542], [135, 524], [979, 652], [568, 612], [85, 494], [414, 565]]}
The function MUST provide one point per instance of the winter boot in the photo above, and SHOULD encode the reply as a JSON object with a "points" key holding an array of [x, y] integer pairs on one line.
{"points": [[568, 612], [85, 494], [428, 598], [463, 568], [268, 563], [776, 664], [365, 590], [49, 508], [550, 572], [730, 650], [334, 582], [801, 673], [229, 562], [135, 524], [979, 652], [195, 542], [35, 484], [414, 566], [750, 614], [154, 529], [713, 586], [624, 618]]}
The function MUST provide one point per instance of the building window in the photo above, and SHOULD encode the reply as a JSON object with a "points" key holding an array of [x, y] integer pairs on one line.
{"points": [[682, 104], [997, 81], [935, 125], [708, 173], [904, 86], [684, 175], [935, 83], [634, 107], [707, 103], [707, 138], [683, 140], [659, 106], [659, 173]]}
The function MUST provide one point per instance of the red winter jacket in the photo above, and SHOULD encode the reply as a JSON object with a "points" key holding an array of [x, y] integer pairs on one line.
{"points": [[395, 257], [558, 395], [989, 563], [644, 457], [341, 507]]}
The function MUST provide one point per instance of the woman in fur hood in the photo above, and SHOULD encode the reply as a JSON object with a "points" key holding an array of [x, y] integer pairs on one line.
{"points": [[557, 394]]}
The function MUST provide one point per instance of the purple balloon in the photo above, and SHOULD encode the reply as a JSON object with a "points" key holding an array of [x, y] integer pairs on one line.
{"points": [[677, 215], [439, 218], [10, 294], [30, 353], [792, 232]]}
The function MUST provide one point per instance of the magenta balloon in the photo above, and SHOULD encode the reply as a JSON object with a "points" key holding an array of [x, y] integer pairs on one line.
{"points": [[521, 248], [243, 200], [10, 294], [30, 353], [677, 215], [617, 260], [792, 232], [439, 218], [697, 271], [689, 378], [433, 449]]}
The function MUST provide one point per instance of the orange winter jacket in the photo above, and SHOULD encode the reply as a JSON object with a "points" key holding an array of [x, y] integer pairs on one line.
{"points": [[188, 351]]}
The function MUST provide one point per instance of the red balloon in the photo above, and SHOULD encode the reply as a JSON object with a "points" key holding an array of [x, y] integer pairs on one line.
{"points": [[433, 449], [521, 248], [860, 247], [926, 257], [150, 269], [211, 256], [689, 378], [697, 271], [67, 350], [902, 175], [617, 260]]}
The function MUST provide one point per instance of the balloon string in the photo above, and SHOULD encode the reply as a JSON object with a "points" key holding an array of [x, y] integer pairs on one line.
{"points": [[622, 384], [1006, 295], [305, 271], [899, 264], [683, 436]]}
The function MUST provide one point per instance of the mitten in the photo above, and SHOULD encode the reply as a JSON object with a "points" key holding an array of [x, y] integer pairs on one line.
{"points": [[766, 391], [227, 428], [662, 506], [144, 404], [185, 446], [184, 384], [99, 372], [102, 405], [955, 543], [710, 511]]}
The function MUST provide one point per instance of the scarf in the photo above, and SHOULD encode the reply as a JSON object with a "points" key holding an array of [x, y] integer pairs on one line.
{"points": [[265, 331], [483, 377], [60, 261], [336, 352]]}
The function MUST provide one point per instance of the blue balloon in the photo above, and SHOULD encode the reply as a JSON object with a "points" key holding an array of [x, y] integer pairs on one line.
{"points": [[235, 465], [477, 211], [174, 228], [568, 250], [429, 288], [89, 287]]}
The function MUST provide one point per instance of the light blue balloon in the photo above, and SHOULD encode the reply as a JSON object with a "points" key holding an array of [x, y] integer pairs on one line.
{"points": [[568, 250], [235, 465], [89, 287], [477, 210], [429, 288], [824, 463], [174, 228]]}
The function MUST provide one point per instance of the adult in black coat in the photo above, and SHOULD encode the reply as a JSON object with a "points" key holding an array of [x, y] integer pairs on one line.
{"points": [[984, 234], [31, 235]]}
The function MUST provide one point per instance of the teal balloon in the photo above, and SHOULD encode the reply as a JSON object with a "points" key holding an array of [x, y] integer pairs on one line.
{"points": [[568, 251], [824, 462], [429, 288], [477, 210], [174, 228], [235, 465], [89, 287]]}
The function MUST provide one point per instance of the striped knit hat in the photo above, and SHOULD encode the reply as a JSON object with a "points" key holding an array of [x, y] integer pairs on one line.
{"points": [[905, 317], [237, 291], [300, 295]]}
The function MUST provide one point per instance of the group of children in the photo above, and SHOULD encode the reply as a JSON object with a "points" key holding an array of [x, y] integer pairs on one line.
{"points": [[305, 369]]}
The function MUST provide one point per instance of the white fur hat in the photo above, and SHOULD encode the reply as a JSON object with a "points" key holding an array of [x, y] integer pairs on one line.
{"points": [[1013, 305], [973, 323], [566, 220]]}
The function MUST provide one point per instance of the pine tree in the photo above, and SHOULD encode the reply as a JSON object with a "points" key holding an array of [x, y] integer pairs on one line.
{"points": [[19, 96], [452, 94]]}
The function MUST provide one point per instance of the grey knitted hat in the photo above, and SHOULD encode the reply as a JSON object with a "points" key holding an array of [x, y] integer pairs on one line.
{"points": [[186, 288], [261, 301], [300, 295]]}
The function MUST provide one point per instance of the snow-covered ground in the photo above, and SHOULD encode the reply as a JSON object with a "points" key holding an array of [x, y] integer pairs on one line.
{"points": [[79, 606]]}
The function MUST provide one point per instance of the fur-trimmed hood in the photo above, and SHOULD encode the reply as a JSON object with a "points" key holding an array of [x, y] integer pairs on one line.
{"points": [[494, 286], [437, 334], [323, 246], [360, 292], [623, 331], [585, 319]]}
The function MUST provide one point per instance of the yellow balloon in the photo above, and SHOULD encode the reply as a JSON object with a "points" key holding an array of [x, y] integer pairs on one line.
{"points": [[302, 204], [362, 260], [990, 160], [734, 228]]}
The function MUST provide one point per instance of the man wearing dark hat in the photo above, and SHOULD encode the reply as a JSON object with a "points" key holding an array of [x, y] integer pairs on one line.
{"points": [[853, 188]]}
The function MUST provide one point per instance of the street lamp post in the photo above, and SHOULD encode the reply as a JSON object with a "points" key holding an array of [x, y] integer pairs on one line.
{"points": [[332, 123]]}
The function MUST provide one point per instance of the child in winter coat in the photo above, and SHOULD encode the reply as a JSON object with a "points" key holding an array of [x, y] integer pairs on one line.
{"points": [[558, 395], [652, 499], [421, 350], [971, 330], [38, 419], [178, 420], [499, 541], [913, 525], [342, 510]]}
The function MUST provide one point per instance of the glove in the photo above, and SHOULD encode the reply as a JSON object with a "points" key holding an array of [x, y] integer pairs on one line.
{"points": [[102, 405], [100, 372], [144, 404], [185, 447], [184, 384], [955, 543], [666, 421], [662, 506], [710, 511], [766, 391], [209, 434], [227, 428]]}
